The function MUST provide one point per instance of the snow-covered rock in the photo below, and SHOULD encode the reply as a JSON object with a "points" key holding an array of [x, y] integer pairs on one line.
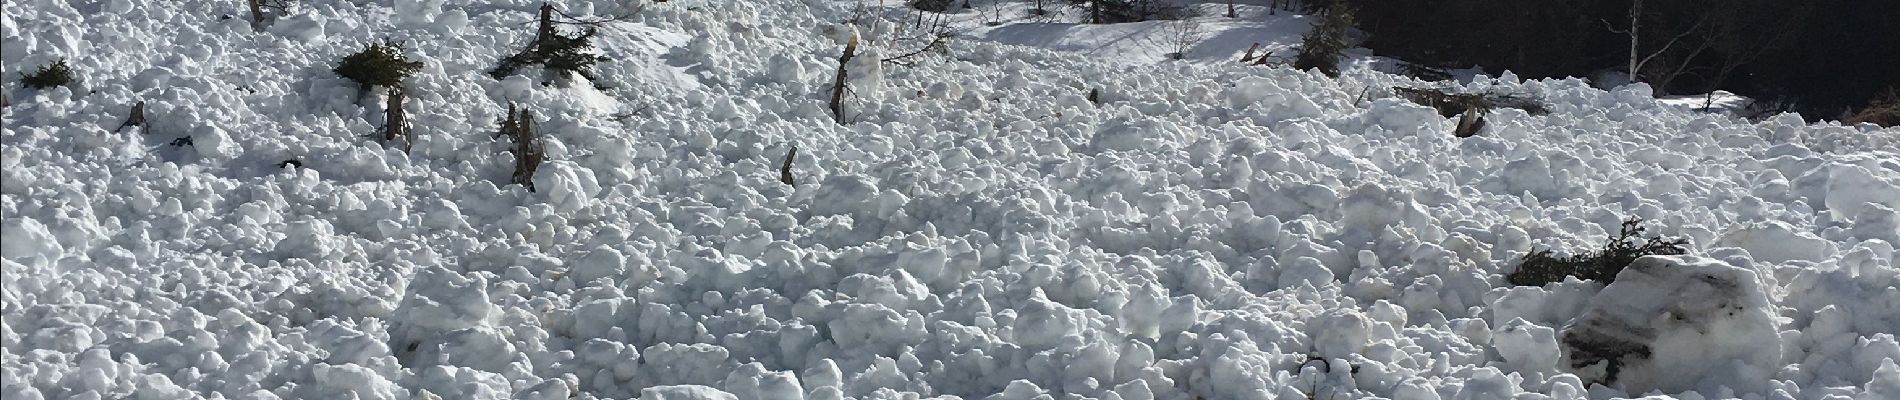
{"points": [[1677, 323]]}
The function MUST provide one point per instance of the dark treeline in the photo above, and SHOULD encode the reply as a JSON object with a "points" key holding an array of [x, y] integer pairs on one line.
{"points": [[1818, 57]]}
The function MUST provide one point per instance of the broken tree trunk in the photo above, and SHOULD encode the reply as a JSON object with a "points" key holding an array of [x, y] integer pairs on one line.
{"points": [[136, 119], [528, 149], [257, 13], [1244, 58], [546, 29], [838, 87], [1470, 123], [785, 171], [395, 121]]}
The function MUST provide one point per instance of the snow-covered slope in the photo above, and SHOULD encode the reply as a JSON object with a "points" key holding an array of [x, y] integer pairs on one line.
{"points": [[980, 229]]}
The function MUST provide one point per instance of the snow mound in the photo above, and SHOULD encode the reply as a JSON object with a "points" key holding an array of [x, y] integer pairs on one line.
{"points": [[1677, 323]]}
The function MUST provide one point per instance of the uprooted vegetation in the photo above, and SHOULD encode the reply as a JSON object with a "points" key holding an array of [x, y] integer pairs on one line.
{"points": [[1541, 267], [1451, 103], [1470, 108], [1882, 111]]}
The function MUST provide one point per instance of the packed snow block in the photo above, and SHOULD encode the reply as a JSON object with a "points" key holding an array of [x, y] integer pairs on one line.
{"points": [[213, 143], [351, 381], [447, 382], [440, 301], [601, 262], [417, 13], [302, 27], [1677, 323], [1527, 347], [1400, 116], [1876, 222], [29, 242], [685, 392], [1340, 333], [842, 194], [753, 381], [1777, 242], [1885, 383], [569, 186], [1252, 90], [1851, 188]]}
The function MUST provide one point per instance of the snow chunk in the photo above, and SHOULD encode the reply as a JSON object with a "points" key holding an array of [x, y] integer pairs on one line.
{"points": [[29, 242], [1677, 323], [684, 392], [214, 143], [1851, 187], [302, 27], [1776, 242], [1886, 382], [417, 13], [440, 299], [1341, 333], [1526, 346], [568, 186], [602, 262]]}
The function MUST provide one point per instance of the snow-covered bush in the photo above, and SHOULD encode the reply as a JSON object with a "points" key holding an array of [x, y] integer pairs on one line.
{"points": [[1540, 267], [49, 76], [1677, 323], [380, 64]]}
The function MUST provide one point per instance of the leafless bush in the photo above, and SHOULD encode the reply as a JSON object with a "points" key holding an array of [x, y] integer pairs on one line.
{"points": [[1883, 111], [1182, 35], [910, 36]]}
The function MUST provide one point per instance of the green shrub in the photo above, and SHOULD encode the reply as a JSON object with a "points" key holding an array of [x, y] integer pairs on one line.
{"points": [[1540, 267], [49, 76], [559, 53], [381, 64], [1322, 45]]}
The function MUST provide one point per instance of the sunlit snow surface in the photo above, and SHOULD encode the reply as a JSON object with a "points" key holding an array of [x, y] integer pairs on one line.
{"points": [[979, 229]]}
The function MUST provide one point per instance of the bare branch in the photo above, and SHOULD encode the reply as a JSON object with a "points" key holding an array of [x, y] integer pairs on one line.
{"points": [[1672, 42]]}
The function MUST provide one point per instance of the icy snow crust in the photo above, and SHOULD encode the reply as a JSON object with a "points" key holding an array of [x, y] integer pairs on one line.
{"points": [[980, 231]]}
